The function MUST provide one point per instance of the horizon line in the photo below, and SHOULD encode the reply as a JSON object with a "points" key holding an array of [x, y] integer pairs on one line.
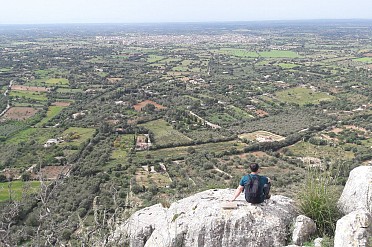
{"points": [[188, 22]]}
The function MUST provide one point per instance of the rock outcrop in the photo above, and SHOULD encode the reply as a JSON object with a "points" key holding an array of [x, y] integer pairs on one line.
{"points": [[304, 228], [357, 193], [200, 220], [354, 230]]}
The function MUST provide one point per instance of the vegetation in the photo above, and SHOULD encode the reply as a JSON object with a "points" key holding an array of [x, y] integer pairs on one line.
{"points": [[318, 200]]}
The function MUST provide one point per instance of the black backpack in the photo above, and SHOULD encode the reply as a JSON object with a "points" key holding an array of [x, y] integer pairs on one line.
{"points": [[251, 189]]}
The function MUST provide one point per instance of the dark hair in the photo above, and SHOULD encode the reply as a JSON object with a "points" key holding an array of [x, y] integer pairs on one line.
{"points": [[254, 167]]}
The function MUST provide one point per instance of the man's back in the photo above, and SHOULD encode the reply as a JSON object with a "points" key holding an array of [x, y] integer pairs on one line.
{"points": [[248, 182]]}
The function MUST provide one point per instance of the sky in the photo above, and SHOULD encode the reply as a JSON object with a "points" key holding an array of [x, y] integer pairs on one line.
{"points": [[148, 11]]}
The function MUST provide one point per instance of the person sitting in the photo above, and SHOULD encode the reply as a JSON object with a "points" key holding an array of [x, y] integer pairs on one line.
{"points": [[256, 187]]}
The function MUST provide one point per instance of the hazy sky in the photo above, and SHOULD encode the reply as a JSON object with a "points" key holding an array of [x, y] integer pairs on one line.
{"points": [[127, 11]]}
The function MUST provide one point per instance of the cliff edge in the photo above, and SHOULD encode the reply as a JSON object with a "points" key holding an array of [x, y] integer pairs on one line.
{"points": [[201, 220]]}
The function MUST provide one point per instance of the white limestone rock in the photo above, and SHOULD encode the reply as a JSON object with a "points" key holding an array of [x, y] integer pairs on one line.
{"points": [[318, 242], [357, 193], [304, 228], [354, 230], [200, 220]]}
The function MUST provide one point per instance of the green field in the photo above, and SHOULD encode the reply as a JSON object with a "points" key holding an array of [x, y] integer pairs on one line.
{"points": [[364, 59], [367, 142], [164, 133], [238, 113], [122, 146], [305, 149], [51, 113], [288, 65], [237, 52], [278, 54], [57, 81], [5, 69], [220, 118], [82, 134], [38, 96], [154, 58], [17, 188], [266, 54], [181, 152], [302, 96], [69, 90], [39, 135]]}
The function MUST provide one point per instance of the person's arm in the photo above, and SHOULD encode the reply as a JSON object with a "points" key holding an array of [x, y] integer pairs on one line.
{"points": [[238, 191]]}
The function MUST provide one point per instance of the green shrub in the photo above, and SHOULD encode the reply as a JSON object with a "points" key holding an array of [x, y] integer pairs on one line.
{"points": [[317, 200]]}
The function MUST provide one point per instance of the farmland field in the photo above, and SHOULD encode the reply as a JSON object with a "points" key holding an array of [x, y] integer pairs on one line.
{"points": [[164, 133], [302, 96], [142, 104], [146, 178], [38, 96], [261, 134], [266, 54], [39, 135], [29, 88], [288, 65], [180, 152], [122, 145], [51, 113], [154, 58], [82, 135], [17, 187], [364, 59], [20, 113], [305, 149]]}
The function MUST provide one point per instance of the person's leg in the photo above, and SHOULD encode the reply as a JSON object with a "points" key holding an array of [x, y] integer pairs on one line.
{"points": [[266, 190]]}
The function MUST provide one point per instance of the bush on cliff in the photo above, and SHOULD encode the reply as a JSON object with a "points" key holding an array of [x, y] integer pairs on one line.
{"points": [[318, 198]]}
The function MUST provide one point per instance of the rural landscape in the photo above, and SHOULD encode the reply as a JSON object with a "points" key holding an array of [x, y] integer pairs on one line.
{"points": [[100, 120]]}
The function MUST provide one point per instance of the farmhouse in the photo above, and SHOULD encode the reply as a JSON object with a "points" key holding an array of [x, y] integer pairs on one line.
{"points": [[143, 142], [78, 115], [52, 142]]}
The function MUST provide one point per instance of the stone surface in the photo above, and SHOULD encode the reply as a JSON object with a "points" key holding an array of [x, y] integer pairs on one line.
{"points": [[357, 193], [200, 220], [304, 228], [354, 230], [318, 242]]}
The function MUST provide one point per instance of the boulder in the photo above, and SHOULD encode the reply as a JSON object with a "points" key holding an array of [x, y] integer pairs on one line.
{"points": [[200, 220], [318, 242], [354, 230], [304, 228], [357, 193]]}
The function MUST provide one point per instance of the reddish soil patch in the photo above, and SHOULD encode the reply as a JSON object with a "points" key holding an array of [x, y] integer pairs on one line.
{"points": [[261, 113], [27, 88], [60, 103], [336, 130], [353, 127], [114, 79], [10, 173], [112, 122], [20, 113], [259, 154], [367, 54], [52, 172], [139, 106]]}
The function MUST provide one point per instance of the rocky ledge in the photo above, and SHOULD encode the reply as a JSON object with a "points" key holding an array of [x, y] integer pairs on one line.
{"points": [[201, 220]]}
